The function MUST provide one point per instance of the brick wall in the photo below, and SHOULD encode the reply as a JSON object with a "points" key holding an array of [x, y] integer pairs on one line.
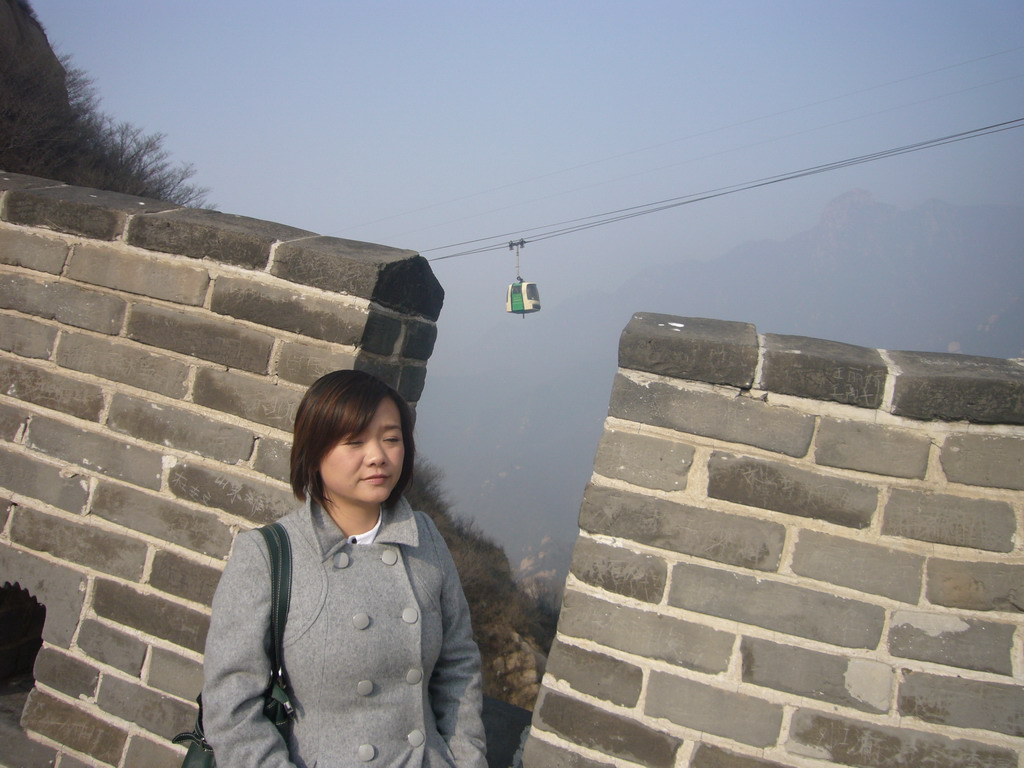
{"points": [[794, 552], [151, 358]]}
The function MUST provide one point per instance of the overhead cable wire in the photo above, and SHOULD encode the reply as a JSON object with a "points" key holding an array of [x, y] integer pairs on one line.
{"points": [[558, 229], [688, 137]]}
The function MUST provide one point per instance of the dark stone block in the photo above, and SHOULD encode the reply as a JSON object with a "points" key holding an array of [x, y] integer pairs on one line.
{"points": [[198, 335], [175, 674], [849, 742], [645, 460], [823, 370], [704, 533], [977, 586], [381, 333], [397, 279], [955, 520], [59, 588], [202, 234], [413, 380], [713, 351], [619, 570], [596, 674], [992, 461], [65, 673], [605, 732], [279, 307], [273, 458], [777, 606], [963, 703], [254, 398], [109, 646], [64, 302], [73, 727], [44, 482], [384, 370], [77, 210], [945, 638], [148, 613], [859, 565], [149, 709], [541, 754], [948, 387], [151, 754], [43, 254], [26, 338], [185, 578], [419, 340], [9, 181], [125, 362], [260, 503], [709, 756], [302, 363], [790, 490]]}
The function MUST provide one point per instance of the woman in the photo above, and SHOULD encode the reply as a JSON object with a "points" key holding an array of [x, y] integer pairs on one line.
{"points": [[378, 647]]}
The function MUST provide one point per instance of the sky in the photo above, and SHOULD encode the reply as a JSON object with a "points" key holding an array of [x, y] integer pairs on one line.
{"points": [[427, 124]]}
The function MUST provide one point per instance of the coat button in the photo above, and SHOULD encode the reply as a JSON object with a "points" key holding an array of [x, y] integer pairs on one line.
{"points": [[366, 752], [341, 560], [415, 738], [364, 687], [413, 676], [360, 621], [390, 557], [410, 615]]}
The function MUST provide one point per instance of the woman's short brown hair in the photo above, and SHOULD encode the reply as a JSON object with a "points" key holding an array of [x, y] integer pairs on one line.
{"points": [[338, 405]]}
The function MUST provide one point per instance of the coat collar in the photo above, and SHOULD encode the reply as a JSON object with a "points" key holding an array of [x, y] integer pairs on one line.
{"points": [[398, 526]]}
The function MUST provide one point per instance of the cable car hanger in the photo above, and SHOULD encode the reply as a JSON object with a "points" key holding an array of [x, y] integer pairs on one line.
{"points": [[522, 297]]}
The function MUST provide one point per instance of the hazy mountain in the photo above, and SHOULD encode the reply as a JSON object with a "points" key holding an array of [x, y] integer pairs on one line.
{"points": [[518, 433]]}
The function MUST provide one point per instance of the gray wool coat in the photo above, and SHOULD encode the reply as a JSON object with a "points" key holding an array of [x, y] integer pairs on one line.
{"points": [[378, 651]]}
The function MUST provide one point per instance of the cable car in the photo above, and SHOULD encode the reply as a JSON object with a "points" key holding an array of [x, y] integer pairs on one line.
{"points": [[522, 298]]}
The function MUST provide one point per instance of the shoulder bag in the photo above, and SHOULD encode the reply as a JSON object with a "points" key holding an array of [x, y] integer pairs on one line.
{"points": [[277, 707]]}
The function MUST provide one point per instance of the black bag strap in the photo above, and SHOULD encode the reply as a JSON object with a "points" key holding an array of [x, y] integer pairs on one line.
{"points": [[279, 546]]}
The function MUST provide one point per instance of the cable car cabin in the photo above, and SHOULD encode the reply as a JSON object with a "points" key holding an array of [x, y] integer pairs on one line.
{"points": [[522, 298]]}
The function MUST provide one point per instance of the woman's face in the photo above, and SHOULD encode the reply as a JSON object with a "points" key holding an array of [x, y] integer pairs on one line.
{"points": [[360, 471]]}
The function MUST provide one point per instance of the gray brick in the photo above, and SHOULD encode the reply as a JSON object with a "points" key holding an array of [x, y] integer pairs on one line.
{"points": [[604, 731], [644, 460], [596, 674], [385, 370], [704, 533], [976, 586], [823, 370], [97, 452], [175, 674], [163, 518], [124, 362], [540, 754], [61, 301], [710, 756], [381, 333], [411, 382], [149, 613], [954, 520], [694, 704], [146, 708], [67, 761], [955, 641], [790, 490], [858, 683], [784, 608], [305, 363], [618, 570], [854, 743], [419, 339], [273, 458], [44, 387], [110, 646], [151, 754], [26, 337], [871, 448], [134, 273], [206, 337], [12, 422], [73, 727], [259, 503], [963, 703], [59, 588], [287, 308], [79, 543], [394, 278], [204, 234], [711, 414], [65, 673], [10, 181], [43, 254], [934, 385], [649, 634], [185, 578], [44, 482], [251, 398], [990, 461], [181, 429], [859, 565], [695, 348], [77, 210]]}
